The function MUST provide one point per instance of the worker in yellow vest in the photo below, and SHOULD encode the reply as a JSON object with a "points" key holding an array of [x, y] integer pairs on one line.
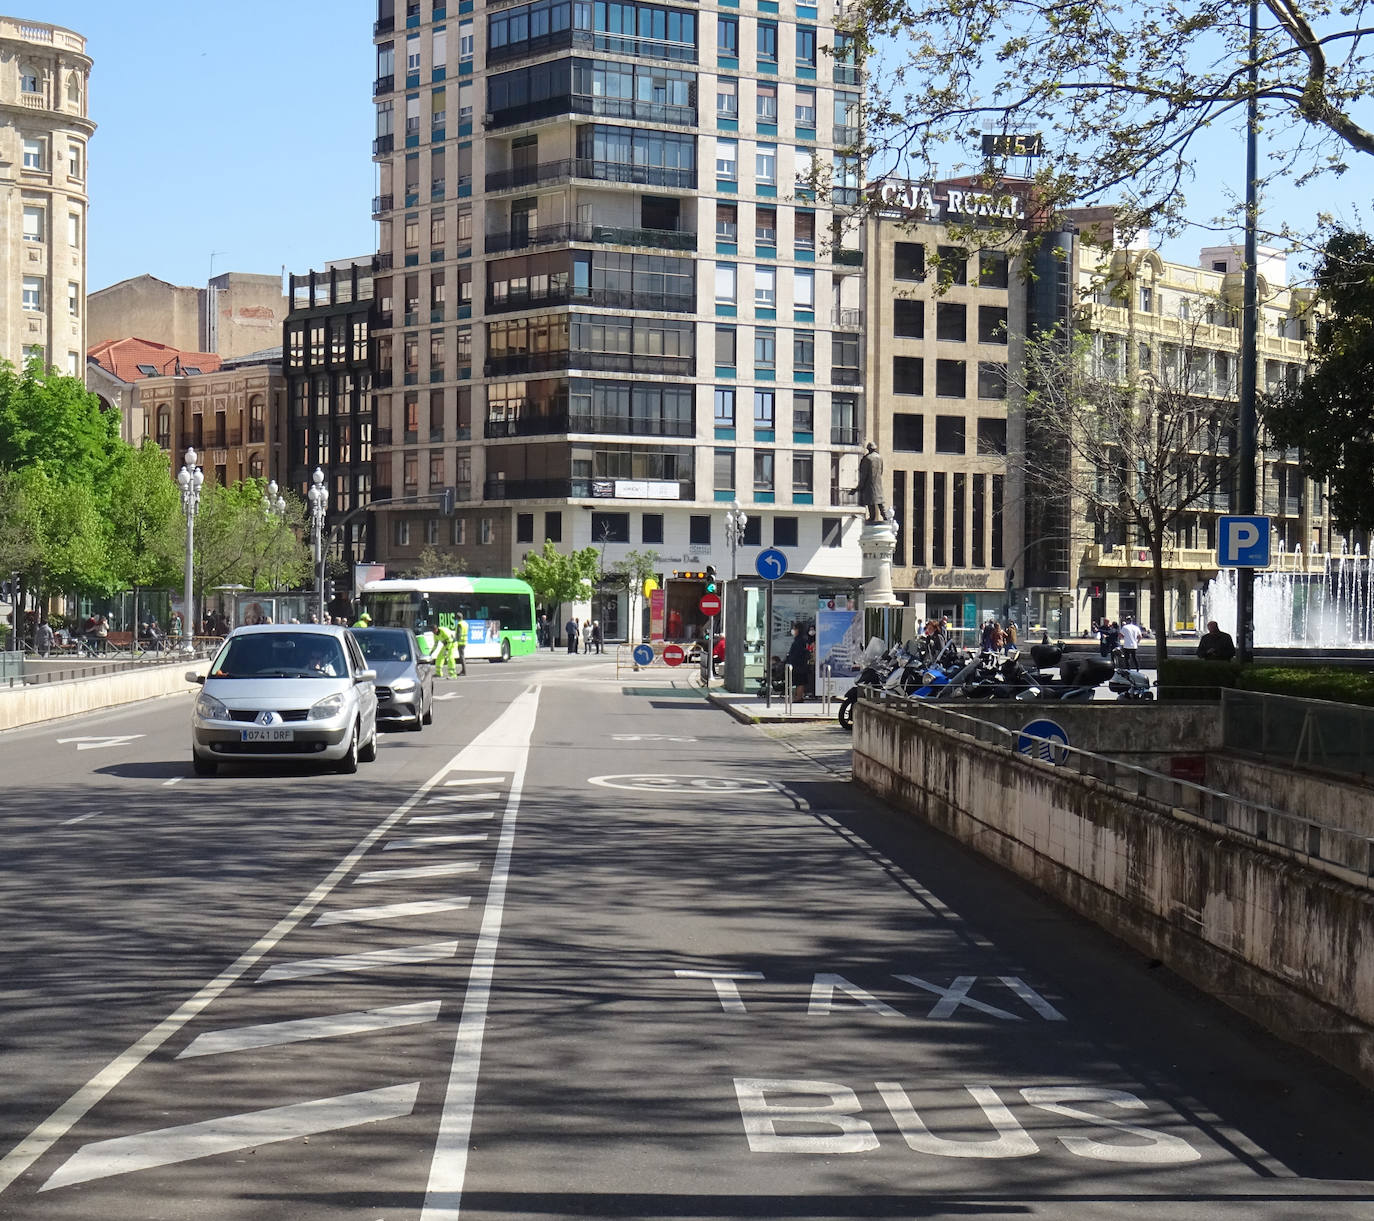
{"points": [[443, 659], [460, 642]]}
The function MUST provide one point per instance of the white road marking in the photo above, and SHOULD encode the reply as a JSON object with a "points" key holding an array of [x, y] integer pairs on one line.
{"points": [[954, 996], [431, 841], [448, 784], [1032, 998], [100, 743], [474, 816], [449, 695], [507, 741], [419, 871], [368, 960], [276, 1034], [71, 822], [166, 784], [449, 797], [61, 1121], [392, 911], [727, 992], [167, 1146]]}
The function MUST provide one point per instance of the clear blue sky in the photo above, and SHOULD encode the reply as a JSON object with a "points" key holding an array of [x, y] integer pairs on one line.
{"points": [[244, 133]]}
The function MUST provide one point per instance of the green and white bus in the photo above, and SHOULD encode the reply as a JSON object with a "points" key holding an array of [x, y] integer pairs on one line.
{"points": [[498, 611]]}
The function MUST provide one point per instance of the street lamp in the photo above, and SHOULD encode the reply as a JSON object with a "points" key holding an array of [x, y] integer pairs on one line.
{"points": [[318, 496], [273, 502], [190, 478], [735, 521]]}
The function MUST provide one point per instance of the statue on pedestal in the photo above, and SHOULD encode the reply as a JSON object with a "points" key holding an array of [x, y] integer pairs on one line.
{"points": [[870, 489]]}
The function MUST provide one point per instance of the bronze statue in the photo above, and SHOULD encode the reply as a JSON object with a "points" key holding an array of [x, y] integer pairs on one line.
{"points": [[870, 489]]}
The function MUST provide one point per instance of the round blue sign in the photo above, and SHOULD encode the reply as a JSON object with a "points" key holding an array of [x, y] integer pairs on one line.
{"points": [[1045, 740], [644, 654], [771, 564]]}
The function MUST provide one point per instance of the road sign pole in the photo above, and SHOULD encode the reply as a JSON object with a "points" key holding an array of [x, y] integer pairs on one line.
{"points": [[768, 649]]}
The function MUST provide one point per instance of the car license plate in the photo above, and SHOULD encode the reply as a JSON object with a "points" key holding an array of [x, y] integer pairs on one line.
{"points": [[274, 734]]}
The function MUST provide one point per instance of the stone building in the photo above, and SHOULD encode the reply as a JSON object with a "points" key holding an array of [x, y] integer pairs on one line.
{"points": [[45, 131]]}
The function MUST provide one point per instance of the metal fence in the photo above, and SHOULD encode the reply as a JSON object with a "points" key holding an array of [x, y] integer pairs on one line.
{"points": [[31, 673], [1316, 843], [1295, 732]]}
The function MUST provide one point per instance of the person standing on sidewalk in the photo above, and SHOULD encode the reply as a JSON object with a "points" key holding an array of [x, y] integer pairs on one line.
{"points": [[570, 630], [460, 643], [596, 635], [1130, 641]]}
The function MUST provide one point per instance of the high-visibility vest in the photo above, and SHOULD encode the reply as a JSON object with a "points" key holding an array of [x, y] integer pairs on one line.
{"points": [[461, 631]]}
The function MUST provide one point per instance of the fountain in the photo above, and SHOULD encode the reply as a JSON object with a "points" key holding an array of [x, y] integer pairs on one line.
{"points": [[1327, 602]]}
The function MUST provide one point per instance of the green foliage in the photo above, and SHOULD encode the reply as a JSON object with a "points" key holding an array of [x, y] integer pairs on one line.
{"points": [[633, 569], [1329, 416], [1195, 679], [1119, 92], [433, 562], [237, 542], [145, 508], [557, 578], [55, 423]]}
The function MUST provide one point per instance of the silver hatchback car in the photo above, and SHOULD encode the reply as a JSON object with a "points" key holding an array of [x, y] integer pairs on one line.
{"points": [[294, 692]]}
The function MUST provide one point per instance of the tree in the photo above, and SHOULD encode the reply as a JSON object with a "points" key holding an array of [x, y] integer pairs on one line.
{"points": [[144, 505], [1128, 460], [557, 578], [433, 562], [1120, 92], [1329, 416], [630, 572]]}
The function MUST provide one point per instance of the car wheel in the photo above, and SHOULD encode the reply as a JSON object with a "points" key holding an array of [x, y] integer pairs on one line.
{"points": [[428, 718], [203, 767], [349, 763], [368, 752]]}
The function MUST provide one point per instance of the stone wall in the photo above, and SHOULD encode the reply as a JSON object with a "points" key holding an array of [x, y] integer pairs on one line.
{"points": [[29, 705], [1286, 944]]}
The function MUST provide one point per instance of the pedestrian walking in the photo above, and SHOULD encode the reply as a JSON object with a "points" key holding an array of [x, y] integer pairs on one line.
{"points": [[570, 630], [43, 637], [1130, 642], [596, 635]]}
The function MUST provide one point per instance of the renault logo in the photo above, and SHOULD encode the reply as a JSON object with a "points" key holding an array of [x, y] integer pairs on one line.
{"points": [[268, 718]]}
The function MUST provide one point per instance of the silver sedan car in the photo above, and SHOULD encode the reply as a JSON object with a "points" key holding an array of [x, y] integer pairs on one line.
{"points": [[293, 692]]}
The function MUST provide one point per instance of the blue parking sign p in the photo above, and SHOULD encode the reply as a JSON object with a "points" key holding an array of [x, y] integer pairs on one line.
{"points": [[1243, 542]]}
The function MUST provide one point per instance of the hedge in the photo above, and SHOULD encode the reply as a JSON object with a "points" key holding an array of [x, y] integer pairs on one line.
{"points": [[1190, 679]]}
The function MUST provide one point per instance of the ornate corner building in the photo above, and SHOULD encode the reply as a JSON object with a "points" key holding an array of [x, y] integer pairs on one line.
{"points": [[608, 297], [44, 133]]}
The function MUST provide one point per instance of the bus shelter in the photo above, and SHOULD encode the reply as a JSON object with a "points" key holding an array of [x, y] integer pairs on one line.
{"points": [[831, 607]]}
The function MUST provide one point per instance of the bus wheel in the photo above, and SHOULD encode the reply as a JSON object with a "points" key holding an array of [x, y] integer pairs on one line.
{"points": [[505, 650]]}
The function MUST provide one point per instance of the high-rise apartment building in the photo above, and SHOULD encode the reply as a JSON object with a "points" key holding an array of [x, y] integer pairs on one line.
{"points": [[44, 133], [611, 298]]}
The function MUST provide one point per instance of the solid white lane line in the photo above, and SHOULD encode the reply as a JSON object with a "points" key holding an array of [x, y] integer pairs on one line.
{"points": [[167, 1146], [392, 911], [420, 871], [334, 1025], [456, 797], [61, 1121], [369, 960], [166, 784], [448, 784], [431, 841], [71, 822], [504, 744], [475, 816]]}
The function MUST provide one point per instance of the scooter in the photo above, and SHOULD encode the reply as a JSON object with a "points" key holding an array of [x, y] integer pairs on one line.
{"points": [[878, 673], [1130, 686]]}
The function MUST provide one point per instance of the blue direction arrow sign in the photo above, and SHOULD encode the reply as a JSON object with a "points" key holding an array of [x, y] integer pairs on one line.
{"points": [[771, 564], [644, 654]]}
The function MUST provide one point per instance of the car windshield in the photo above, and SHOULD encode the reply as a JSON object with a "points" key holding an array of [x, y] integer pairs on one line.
{"points": [[280, 655], [383, 644]]}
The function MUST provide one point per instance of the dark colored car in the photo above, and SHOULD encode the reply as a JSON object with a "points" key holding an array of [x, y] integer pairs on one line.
{"points": [[405, 679]]}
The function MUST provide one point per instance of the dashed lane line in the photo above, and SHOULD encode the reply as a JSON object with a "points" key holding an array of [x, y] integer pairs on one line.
{"points": [[432, 841], [418, 871], [368, 960], [301, 1030], [392, 911]]}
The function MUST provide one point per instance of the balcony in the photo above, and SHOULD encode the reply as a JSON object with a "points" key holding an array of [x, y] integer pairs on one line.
{"points": [[383, 84], [844, 436], [564, 489], [382, 436], [847, 137], [844, 376], [384, 26], [382, 203], [382, 261], [844, 496], [602, 298], [559, 423], [593, 362], [847, 258], [609, 235], [383, 144], [847, 319], [848, 74], [600, 107], [596, 171]]}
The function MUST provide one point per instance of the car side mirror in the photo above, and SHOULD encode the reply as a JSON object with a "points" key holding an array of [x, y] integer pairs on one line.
{"points": [[366, 676], [193, 677]]}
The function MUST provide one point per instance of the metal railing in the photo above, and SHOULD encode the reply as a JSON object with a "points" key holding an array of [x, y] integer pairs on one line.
{"points": [[674, 177], [1294, 732], [610, 235], [1323, 847]]}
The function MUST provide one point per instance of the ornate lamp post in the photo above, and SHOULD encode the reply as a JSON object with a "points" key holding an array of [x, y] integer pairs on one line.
{"points": [[190, 478], [274, 505], [318, 496], [735, 521]]}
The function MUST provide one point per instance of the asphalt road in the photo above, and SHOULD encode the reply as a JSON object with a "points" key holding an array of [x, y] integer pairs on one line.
{"points": [[587, 947]]}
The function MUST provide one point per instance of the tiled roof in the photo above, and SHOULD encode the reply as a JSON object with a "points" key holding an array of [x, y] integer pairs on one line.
{"points": [[122, 357]]}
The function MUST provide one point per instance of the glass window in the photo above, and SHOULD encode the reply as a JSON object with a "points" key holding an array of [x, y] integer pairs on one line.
{"points": [[727, 35], [725, 407], [765, 287], [74, 229], [803, 472], [803, 411], [909, 318], [725, 345], [727, 97], [34, 224], [806, 107], [908, 261], [32, 293], [992, 436], [992, 324], [651, 528], [784, 532], [727, 222], [33, 153], [765, 226], [949, 434], [806, 46], [768, 41], [727, 159], [804, 290], [763, 470], [766, 102], [908, 432], [726, 283], [951, 321], [803, 351], [804, 230], [953, 264], [951, 379], [992, 380], [699, 530], [724, 470], [908, 375], [766, 165], [993, 268], [765, 409], [765, 348]]}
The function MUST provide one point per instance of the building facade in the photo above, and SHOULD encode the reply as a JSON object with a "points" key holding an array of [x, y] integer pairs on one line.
{"points": [[328, 351], [45, 132], [609, 301], [235, 315]]}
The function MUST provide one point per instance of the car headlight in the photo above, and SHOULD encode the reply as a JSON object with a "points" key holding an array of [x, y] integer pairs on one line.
{"points": [[328, 707], [208, 708], [403, 684]]}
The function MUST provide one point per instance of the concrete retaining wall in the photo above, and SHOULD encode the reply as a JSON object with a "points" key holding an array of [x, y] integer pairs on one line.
{"points": [[1287, 945], [1331, 801], [47, 701]]}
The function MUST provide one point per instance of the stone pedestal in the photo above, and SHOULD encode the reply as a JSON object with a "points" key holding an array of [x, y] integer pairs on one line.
{"points": [[877, 543]]}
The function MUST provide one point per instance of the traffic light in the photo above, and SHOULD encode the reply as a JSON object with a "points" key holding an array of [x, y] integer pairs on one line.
{"points": [[446, 502], [329, 589], [710, 579]]}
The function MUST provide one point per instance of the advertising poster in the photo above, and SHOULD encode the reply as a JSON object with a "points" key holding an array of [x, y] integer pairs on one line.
{"points": [[839, 641], [658, 604]]}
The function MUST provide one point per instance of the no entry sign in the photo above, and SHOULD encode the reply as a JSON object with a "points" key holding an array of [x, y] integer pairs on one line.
{"points": [[673, 655], [709, 604]]}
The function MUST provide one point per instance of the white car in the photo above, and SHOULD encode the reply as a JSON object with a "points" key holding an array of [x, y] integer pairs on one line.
{"points": [[299, 692]]}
